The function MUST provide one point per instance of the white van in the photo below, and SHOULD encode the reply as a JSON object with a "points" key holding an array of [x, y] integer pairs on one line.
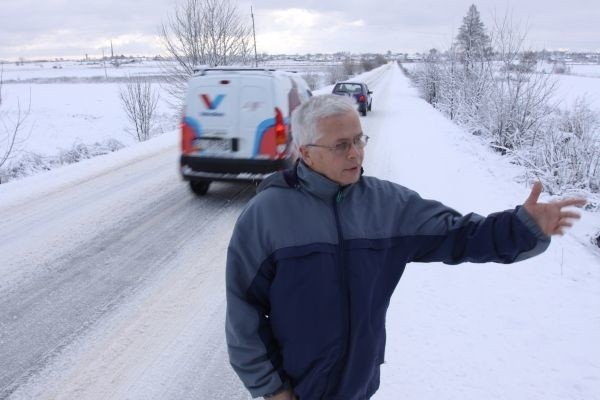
{"points": [[236, 124]]}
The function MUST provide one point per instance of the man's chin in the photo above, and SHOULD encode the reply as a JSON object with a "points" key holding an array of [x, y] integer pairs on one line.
{"points": [[351, 176]]}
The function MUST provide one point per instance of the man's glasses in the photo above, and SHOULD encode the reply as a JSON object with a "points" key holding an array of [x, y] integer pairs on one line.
{"points": [[343, 147]]}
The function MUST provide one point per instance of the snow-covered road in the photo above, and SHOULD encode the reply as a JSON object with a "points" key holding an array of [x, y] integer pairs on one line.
{"points": [[115, 283]]}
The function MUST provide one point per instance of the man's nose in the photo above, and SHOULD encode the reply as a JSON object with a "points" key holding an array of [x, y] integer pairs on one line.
{"points": [[354, 150]]}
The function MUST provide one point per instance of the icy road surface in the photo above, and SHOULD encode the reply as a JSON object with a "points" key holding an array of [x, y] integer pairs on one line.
{"points": [[114, 286]]}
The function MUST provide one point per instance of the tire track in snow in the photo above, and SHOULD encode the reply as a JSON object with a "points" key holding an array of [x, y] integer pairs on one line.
{"points": [[64, 297]]}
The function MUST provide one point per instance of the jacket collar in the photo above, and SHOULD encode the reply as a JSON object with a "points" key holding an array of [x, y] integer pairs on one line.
{"points": [[318, 184], [302, 176]]}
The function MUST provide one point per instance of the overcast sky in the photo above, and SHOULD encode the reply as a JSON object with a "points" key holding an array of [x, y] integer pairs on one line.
{"points": [[74, 28]]}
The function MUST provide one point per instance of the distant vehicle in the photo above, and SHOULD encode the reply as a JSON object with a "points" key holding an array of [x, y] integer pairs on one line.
{"points": [[359, 91], [236, 124]]}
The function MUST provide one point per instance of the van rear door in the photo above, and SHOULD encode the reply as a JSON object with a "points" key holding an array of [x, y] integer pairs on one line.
{"points": [[213, 104], [257, 112], [234, 113]]}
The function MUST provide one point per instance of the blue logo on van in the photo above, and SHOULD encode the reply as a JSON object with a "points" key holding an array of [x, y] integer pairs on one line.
{"points": [[212, 105]]}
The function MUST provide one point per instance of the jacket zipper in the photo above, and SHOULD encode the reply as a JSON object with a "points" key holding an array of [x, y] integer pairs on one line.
{"points": [[336, 372]]}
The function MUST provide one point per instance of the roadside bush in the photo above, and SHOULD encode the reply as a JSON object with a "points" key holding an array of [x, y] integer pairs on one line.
{"points": [[560, 68], [405, 70], [350, 67], [336, 73], [312, 79], [27, 164], [31, 163], [367, 64], [81, 151], [428, 81], [566, 158]]}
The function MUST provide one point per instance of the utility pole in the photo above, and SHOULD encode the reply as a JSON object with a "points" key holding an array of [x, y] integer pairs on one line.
{"points": [[104, 63], [254, 34]]}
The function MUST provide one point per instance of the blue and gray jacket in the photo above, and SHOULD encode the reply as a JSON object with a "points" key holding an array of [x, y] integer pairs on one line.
{"points": [[311, 267]]}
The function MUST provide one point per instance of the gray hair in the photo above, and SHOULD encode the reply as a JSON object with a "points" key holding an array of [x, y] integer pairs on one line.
{"points": [[306, 116]]}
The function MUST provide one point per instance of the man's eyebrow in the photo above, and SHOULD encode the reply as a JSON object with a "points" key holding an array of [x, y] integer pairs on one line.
{"points": [[347, 140]]}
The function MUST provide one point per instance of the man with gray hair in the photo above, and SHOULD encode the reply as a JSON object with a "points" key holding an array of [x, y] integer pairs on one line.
{"points": [[316, 255]]}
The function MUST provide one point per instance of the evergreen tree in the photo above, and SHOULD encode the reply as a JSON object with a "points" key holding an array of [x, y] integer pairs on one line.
{"points": [[472, 40]]}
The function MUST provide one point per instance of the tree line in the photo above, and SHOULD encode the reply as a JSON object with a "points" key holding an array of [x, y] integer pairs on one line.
{"points": [[493, 87]]}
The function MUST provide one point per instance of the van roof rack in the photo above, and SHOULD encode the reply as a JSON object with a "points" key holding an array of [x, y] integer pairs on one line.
{"points": [[203, 70]]}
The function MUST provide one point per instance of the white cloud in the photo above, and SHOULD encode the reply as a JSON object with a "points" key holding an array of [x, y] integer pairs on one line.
{"points": [[293, 18], [357, 23], [301, 31], [32, 28]]}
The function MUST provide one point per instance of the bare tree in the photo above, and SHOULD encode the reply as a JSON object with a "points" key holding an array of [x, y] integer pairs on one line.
{"points": [[313, 79], [139, 101], [366, 63], [335, 73], [380, 60], [451, 86], [350, 67], [520, 99], [1, 80], [11, 128], [429, 77], [203, 33]]}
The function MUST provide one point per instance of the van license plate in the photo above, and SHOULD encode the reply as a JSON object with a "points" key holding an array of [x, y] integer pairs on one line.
{"points": [[217, 145]]}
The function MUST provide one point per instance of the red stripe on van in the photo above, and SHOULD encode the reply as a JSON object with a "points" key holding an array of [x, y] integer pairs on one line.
{"points": [[187, 137], [267, 143]]}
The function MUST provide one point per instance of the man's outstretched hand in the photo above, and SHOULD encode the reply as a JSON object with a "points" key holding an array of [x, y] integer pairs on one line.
{"points": [[550, 216]]}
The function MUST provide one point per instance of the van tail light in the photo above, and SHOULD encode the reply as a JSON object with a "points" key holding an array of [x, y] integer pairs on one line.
{"points": [[280, 132], [187, 137], [361, 98]]}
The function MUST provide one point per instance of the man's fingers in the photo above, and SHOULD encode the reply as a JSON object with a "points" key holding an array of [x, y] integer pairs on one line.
{"points": [[536, 190], [571, 202], [565, 224], [569, 215]]}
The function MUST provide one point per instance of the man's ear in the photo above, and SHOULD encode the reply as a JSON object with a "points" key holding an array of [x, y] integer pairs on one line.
{"points": [[305, 155]]}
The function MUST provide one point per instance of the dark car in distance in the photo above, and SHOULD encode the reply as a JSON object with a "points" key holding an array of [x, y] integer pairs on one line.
{"points": [[359, 91]]}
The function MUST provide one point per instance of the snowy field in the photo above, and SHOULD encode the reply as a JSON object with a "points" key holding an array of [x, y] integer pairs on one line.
{"points": [[78, 102], [573, 87], [112, 273], [583, 81]]}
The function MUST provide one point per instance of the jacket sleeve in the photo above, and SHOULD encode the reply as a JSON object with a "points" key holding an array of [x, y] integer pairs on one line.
{"points": [[503, 237], [253, 352]]}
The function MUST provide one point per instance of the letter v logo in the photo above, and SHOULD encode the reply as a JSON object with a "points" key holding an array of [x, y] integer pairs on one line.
{"points": [[212, 105]]}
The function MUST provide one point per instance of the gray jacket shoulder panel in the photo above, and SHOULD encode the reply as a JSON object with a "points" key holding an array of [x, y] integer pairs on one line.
{"points": [[394, 211]]}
